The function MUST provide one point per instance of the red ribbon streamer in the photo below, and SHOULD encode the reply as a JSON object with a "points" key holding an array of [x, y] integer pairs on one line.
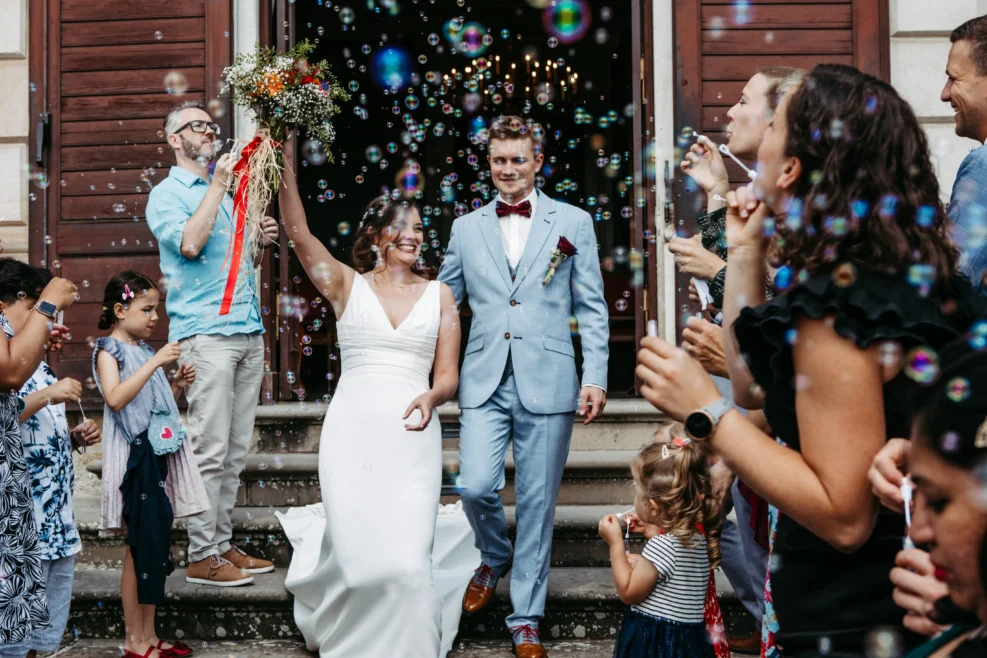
{"points": [[240, 219]]}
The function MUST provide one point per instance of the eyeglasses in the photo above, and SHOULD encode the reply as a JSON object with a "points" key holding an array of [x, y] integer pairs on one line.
{"points": [[199, 126]]}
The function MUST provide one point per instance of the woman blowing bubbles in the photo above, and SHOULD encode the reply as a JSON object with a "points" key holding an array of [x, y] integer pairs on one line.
{"points": [[846, 203]]}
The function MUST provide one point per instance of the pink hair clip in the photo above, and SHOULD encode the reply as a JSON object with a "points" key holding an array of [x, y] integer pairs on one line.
{"points": [[127, 292]]}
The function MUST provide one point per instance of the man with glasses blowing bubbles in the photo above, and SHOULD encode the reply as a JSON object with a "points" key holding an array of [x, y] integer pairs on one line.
{"points": [[191, 216]]}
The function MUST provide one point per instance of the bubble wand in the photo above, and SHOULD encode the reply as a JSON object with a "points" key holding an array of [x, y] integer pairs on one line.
{"points": [[627, 533], [906, 496], [725, 150]]}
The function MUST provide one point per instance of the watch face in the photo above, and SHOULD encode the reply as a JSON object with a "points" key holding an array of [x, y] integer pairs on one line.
{"points": [[699, 425], [47, 308]]}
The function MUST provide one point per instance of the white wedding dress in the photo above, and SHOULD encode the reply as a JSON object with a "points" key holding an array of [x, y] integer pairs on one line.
{"points": [[366, 589]]}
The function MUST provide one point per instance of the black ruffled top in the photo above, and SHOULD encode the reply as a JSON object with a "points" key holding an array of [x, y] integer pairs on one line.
{"points": [[820, 594]]}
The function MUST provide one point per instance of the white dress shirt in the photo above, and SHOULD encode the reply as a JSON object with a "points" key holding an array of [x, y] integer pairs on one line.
{"points": [[514, 229]]}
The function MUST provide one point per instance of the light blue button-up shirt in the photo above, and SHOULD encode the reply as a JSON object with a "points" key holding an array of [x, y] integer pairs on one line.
{"points": [[968, 217], [196, 285]]}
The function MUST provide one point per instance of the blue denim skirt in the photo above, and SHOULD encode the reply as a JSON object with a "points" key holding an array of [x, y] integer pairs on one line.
{"points": [[646, 636]]}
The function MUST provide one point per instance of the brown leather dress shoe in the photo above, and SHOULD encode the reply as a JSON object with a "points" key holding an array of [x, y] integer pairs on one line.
{"points": [[527, 642], [480, 591]]}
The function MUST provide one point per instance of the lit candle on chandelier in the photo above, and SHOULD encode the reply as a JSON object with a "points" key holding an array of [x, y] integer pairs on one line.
{"points": [[497, 64], [527, 63]]}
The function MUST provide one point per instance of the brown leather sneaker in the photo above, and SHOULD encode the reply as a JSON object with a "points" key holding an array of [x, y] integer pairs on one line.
{"points": [[480, 591], [527, 642], [218, 572], [253, 565]]}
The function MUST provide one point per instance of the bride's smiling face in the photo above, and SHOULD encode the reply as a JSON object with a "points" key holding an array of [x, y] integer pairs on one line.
{"points": [[401, 242]]}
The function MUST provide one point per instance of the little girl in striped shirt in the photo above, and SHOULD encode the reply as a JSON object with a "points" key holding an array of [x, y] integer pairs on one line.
{"points": [[666, 585]]}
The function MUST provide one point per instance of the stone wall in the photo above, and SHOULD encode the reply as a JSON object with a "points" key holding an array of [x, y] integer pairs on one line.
{"points": [[919, 47], [14, 127]]}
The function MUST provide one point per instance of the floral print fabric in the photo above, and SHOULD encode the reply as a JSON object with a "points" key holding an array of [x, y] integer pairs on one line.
{"points": [[23, 606], [48, 452]]}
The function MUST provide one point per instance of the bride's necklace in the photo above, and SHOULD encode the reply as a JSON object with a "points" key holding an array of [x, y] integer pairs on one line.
{"points": [[373, 277]]}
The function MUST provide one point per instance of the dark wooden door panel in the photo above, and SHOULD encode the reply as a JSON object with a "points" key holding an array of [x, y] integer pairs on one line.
{"points": [[156, 30], [120, 206], [116, 10], [110, 58], [111, 182], [92, 274], [105, 238], [87, 108], [94, 83], [777, 42], [124, 156], [772, 17], [722, 92], [728, 67]]}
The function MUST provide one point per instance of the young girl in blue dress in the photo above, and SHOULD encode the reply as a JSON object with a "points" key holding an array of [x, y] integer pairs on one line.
{"points": [[665, 586], [149, 472]]}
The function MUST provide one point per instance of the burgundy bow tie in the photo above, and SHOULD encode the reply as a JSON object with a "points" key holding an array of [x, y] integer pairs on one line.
{"points": [[505, 209]]}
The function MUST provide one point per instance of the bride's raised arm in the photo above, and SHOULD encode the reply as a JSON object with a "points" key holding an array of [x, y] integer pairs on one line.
{"points": [[333, 278]]}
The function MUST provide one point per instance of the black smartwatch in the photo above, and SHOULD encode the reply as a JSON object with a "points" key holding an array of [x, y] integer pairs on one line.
{"points": [[46, 309], [701, 424]]}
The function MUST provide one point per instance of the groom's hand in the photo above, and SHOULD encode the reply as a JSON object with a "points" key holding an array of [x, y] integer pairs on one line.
{"points": [[591, 402]]}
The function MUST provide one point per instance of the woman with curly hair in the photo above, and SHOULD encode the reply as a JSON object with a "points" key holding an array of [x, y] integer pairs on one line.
{"points": [[846, 204]]}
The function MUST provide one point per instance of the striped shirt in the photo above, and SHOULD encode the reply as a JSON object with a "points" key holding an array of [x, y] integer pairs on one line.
{"points": [[683, 574]]}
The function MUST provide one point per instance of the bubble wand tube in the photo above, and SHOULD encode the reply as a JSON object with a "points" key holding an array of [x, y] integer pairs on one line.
{"points": [[725, 150], [906, 496]]}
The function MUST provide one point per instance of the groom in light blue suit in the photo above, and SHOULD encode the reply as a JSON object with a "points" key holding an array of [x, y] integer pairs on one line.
{"points": [[519, 382]]}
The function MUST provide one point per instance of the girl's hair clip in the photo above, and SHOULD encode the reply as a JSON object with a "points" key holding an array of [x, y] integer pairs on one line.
{"points": [[664, 451], [680, 442], [127, 292]]}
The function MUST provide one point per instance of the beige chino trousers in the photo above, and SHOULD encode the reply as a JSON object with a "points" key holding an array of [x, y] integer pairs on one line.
{"points": [[222, 406]]}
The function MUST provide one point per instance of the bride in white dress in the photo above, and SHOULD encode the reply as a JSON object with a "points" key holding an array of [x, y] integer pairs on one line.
{"points": [[370, 592]]}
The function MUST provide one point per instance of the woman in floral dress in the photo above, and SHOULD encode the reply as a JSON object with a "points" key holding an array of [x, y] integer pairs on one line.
{"points": [[23, 607]]}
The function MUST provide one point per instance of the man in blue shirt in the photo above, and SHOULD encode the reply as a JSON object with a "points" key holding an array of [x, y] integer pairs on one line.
{"points": [[191, 215], [966, 92]]}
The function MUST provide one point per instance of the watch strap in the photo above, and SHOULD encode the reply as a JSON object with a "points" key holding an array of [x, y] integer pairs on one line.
{"points": [[718, 409]]}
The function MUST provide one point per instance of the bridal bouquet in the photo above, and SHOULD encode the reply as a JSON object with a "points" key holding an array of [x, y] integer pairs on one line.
{"points": [[285, 91]]}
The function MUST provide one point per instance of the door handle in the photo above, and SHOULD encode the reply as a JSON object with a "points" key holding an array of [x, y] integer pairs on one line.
{"points": [[42, 134]]}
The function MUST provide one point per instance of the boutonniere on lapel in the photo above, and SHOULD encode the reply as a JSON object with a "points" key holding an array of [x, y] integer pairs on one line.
{"points": [[563, 250]]}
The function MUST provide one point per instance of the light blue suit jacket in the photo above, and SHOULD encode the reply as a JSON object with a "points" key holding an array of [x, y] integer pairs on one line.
{"points": [[524, 318]]}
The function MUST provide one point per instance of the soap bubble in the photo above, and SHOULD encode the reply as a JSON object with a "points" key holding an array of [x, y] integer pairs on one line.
{"points": [[922, 365], [176, 83], [958, 389], [314, 152], [567, 20], [391, 67]]}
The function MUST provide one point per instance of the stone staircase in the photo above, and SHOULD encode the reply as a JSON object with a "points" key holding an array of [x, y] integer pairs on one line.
{"points": [[281, 472]]}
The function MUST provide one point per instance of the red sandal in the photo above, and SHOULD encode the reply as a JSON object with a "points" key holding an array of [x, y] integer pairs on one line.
{"points": [[147, 654], [178, 650]]}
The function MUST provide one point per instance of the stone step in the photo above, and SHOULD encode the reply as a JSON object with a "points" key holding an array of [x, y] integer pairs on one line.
{"points": [[591, 477], [626, 424], [582, 604], [576, 542], [292, 649]]}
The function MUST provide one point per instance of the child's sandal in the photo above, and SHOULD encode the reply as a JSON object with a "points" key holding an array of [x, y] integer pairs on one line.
{"points": [[130, 654], [178, 650]]}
